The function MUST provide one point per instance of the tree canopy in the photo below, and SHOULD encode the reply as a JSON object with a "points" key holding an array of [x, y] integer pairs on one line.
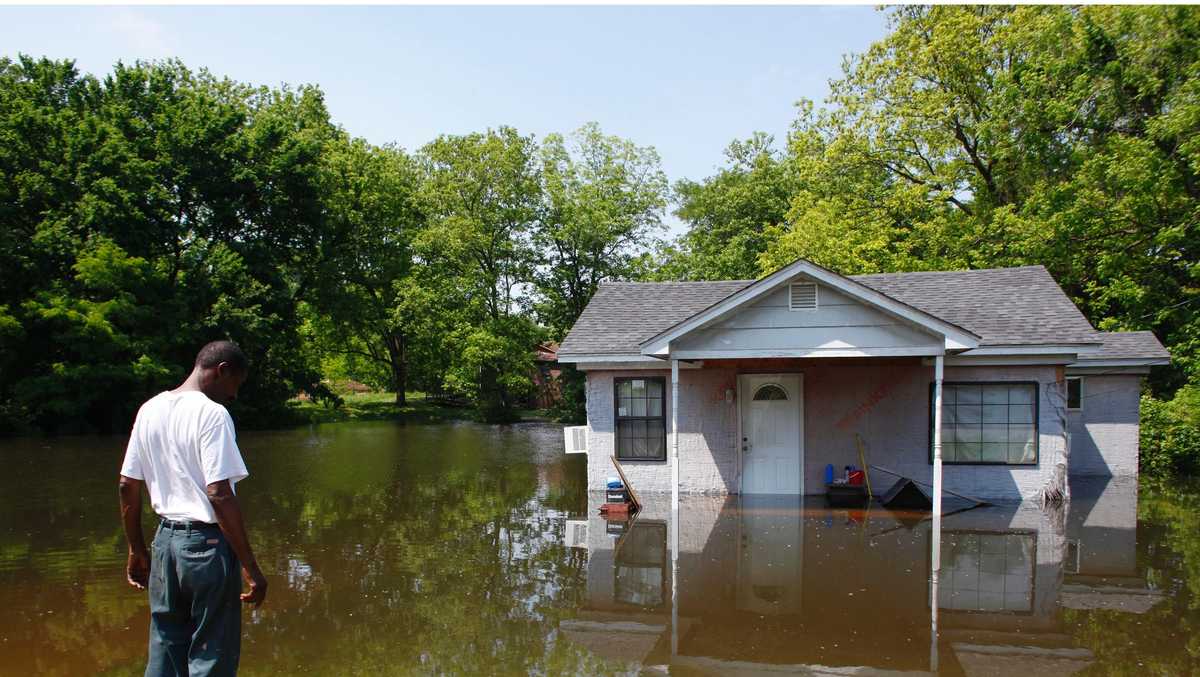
{"points": [[156, 208]]}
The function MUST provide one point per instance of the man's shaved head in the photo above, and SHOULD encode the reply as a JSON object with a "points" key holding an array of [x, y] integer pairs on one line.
{"points": [[222, 351]]}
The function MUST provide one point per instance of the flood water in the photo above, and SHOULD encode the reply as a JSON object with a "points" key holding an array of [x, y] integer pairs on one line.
{"points": [[471, 549]]}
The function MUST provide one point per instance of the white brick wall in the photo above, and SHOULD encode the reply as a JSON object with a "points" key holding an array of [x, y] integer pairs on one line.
{"points": [[708, 428], [886, 403], [1104, 434]]}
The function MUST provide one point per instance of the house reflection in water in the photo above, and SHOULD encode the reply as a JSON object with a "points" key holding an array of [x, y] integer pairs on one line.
{"points": [[775, 585]]}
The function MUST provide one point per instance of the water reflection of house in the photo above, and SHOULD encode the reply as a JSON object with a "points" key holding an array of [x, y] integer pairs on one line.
{"points": [[763, 586], [1100, 568]]}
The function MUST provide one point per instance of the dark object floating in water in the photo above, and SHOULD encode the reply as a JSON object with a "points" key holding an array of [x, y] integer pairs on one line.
{"points": [[906, 494], [846, 495]]}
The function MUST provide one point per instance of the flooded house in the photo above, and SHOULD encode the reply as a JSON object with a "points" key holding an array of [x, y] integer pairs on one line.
{"points": [[756, 386]]}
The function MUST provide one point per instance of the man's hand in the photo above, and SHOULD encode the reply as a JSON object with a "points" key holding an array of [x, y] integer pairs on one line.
{"points": [[137, 569], [257, 584]]}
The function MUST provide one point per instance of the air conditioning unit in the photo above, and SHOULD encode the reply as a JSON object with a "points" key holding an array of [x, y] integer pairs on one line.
{"points": [[576, 437], [576, 535]]}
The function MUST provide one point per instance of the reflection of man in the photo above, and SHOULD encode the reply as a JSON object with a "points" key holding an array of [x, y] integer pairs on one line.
{"points": [[183, 449]]}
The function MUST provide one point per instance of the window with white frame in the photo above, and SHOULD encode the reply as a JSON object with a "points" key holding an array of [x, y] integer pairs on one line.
{"points": [[988, 423]]}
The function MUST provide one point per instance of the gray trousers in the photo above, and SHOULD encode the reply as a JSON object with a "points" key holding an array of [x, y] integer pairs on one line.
{"points": [[195, 612]]}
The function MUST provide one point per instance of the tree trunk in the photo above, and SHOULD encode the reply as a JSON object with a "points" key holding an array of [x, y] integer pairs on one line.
{"points": [[398, 360]]}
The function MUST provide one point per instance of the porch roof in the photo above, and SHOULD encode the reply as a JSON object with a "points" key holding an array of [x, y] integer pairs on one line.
{"points": [[1005, 307]]}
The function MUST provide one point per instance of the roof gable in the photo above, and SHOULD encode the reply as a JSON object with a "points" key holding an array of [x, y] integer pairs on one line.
{"points": [[954, 336], [1004, 306]]}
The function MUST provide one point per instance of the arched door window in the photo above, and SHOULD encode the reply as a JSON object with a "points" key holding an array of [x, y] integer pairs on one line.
{"points": [[770, 392]]}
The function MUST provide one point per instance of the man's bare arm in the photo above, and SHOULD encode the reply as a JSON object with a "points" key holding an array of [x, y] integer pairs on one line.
{"points": [[137, 567], [229, 517]]}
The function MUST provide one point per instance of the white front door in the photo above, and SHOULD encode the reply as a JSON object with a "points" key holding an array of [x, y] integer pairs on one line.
{"points": [[772, 444]]}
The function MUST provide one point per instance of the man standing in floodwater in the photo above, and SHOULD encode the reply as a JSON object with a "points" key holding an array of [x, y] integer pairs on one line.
{"points": [[184, 450]]}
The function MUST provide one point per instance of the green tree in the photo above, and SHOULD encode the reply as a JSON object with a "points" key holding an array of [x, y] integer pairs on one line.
{"points": [[604, 198], [144, 214], [363, 263], [995, 136], [482, 197], [729, 215], [1003, 136]]}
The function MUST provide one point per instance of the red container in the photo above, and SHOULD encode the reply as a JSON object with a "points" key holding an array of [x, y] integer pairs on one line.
{"points": [[857, 477]]}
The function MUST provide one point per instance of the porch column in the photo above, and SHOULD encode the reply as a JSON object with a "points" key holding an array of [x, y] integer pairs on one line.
{"points": [[937, 446], [674, 509], [935, 536], [674, 434]]}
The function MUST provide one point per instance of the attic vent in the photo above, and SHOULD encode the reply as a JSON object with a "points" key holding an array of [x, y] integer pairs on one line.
{"points": [[802, 296]]}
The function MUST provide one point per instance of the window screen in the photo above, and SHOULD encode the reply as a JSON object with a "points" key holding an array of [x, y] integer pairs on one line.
{"points": [[992, 423], [641, 421]]}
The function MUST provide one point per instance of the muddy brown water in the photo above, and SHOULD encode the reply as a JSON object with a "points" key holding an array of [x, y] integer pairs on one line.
{"points": [[472, 549]]}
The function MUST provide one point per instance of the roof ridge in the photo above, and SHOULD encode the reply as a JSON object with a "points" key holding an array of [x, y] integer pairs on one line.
{"points": [[648, 283], [951, 272]]}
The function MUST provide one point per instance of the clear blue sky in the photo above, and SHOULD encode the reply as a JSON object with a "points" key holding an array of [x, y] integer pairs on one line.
{"points": [[686, 80]]}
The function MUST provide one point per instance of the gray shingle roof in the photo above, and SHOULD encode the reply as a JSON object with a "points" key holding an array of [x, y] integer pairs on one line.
{"points": [[1003, 306], [623, 314], [1129, 345]]}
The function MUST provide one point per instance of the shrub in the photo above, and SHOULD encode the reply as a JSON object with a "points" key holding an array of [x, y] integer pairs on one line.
{"points": [[1170, 433]]}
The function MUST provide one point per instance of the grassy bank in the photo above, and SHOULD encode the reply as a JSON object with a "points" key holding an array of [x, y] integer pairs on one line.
{"points": [[382, 407]]}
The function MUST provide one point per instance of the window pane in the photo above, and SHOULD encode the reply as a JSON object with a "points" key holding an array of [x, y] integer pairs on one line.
{"points": [[972, 433], [655, 429], [970, 394], [637, 406], [948, 415], [654, 447], [654, 407], [995, 453], [1074, 393], [623, 437], [970, 414], [969, 452], [949, 451], [638, 387], [654, 389], [624, 389], [995, 413], [1020, 413], [1020, 394], [948, 395], [639, 447], [1020, 434], [995, 434], [995, 394]]}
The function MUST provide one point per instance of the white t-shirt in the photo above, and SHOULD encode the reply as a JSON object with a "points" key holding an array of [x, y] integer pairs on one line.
{"points": [[181, 443]]}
